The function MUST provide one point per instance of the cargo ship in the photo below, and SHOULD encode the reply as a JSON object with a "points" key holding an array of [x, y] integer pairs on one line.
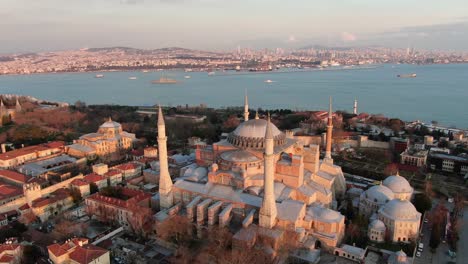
{"points": [[412, 75]]}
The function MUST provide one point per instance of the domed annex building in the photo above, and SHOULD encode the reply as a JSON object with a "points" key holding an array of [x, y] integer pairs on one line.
{"points": [[373, 198], [376, 231], [402, 220], [263, 176], [399, 186], [109, 139], [390, 210]]}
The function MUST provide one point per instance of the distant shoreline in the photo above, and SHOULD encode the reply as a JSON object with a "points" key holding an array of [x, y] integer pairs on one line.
{"points": [[244, 72]]}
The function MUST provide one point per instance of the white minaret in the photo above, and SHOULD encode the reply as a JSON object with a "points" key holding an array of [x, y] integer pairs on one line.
{"points": [[268, 212], [165, 181], [246, 107], [18, 105], [328, 157], [355, 107]]}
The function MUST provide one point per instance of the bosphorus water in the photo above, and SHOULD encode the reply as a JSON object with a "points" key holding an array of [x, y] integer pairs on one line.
{"points": [[439, 92]]}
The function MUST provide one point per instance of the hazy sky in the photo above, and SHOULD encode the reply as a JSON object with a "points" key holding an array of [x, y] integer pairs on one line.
{"points": [[38, 25]]}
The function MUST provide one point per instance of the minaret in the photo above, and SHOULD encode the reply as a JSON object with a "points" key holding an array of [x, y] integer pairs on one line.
{"points": [[267, 217], [165, 181], [355, 107], [328, 157], [2, 108], [18, 105], [246, 107]]}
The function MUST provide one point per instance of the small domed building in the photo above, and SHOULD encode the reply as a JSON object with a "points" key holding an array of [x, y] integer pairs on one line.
{"points": [[399, 186], [109, 139], [401, 219], [376, 231], [373, 198]]}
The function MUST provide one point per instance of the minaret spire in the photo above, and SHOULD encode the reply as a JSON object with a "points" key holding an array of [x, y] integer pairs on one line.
{"points": [[328, 157], [246, 107], [165, 181], [355, 107], [18, 105], [268, 210]]}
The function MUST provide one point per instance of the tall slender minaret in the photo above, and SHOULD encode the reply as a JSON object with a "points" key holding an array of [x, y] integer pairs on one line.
{"points": [[165, 181], [2, 108], [328, 157], [246, 107], [268, 212], [18, 105], [355, 107]]}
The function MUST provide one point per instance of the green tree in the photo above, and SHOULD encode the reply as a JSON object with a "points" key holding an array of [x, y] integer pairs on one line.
{"points": [[422, 202]]}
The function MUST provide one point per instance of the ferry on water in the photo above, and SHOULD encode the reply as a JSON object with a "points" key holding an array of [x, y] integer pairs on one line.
{"points": [[132, 78], [99, 76], [412, 75], [187, 77]]}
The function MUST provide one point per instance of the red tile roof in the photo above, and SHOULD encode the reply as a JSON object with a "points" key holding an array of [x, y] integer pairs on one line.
{"points": [[111, 173], [93, 177], [58, 195], [59, 250], [87, 254], [9, 191], [135, 196], [6, 258], [14, 176], [137, 152], [31, 149], [128, 166], [24, 207], [79, 182]]}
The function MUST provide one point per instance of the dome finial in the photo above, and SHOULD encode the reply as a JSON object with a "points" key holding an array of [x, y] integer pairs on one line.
{"points": [[256, 115], [110, 119], [398, 173]]}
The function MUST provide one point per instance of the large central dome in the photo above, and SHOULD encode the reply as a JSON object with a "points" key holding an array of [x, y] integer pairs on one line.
{"points": [[251, 134], [255, 128]]}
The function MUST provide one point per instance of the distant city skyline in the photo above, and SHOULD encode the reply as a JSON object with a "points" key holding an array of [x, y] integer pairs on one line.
{"points": [[50, 25]]}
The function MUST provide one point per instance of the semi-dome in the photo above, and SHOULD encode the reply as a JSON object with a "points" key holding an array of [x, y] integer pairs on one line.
{"points": [[398, 184], [239, 156], [400, 209], [379, 194], [251, 134], [377, 225], [324, 214]]}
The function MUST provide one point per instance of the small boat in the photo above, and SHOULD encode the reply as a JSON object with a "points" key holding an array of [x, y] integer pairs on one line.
{"points": [[145, 71], [211, 73], [132, 78], [99, 76], [412, 75], [187, 77], [269, 81]]}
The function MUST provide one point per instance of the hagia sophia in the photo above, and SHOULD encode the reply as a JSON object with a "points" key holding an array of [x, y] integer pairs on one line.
{"points": [[275, 184]]}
